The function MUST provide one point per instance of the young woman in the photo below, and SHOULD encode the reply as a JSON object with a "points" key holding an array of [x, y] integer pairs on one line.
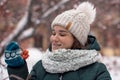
{"points": [[73, 54]]}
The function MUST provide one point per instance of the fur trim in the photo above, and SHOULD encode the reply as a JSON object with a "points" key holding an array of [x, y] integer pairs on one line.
{"points": [[64, 60]]}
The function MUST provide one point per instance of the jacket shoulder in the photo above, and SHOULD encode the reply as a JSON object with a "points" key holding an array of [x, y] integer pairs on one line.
{"points": [[99, 65], [95, 71], [102, 72]]}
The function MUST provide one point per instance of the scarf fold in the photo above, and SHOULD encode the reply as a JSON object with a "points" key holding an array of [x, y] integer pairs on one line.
{"points": [[63, 60]]}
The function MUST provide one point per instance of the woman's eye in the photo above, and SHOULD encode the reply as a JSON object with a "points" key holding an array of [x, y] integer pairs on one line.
{"points": [[53, 33], [62, 34]]}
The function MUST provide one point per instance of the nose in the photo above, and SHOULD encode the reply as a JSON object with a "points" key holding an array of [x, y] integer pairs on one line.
{"points": [[55, 38]]}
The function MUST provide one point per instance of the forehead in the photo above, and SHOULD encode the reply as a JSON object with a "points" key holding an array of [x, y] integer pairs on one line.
{"points": [[59, 28]]}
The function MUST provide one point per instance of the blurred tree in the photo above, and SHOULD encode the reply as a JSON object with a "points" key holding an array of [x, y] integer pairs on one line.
{"points": [[105, 27]]}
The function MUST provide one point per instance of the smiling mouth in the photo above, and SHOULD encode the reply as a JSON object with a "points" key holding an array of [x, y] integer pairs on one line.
{"points": [[56, 46]]}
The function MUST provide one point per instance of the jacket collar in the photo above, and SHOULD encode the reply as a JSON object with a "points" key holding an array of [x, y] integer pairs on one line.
{"points": [[92, 43]]}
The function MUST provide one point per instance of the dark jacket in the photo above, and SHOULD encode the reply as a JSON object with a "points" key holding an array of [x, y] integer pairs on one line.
{"points": [[88, 70], [95, 71], [92, 43]]}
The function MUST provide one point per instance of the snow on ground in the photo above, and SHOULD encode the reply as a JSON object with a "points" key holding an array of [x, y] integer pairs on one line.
{"points": [[112, 63], [34, 56], [3, 70]]}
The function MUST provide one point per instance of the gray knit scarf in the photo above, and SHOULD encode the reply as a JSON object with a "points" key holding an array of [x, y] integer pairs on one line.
{"points": [[64, 60]]}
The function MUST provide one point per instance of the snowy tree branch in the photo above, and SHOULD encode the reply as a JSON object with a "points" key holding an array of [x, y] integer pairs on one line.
{"points": [[20, 26], [46, 14]]}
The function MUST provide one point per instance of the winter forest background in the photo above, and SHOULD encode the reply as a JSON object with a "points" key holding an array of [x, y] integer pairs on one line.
{"points": [[28, 22]]}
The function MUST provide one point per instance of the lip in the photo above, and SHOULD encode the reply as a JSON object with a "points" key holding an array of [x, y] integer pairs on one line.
{"points": [[56, 46]]}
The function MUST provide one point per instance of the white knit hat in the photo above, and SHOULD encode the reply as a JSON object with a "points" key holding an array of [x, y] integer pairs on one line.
{"points": [[77, 21]]}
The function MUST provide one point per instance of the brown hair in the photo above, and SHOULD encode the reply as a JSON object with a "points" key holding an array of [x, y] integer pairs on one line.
{"points": [[77, 45]]}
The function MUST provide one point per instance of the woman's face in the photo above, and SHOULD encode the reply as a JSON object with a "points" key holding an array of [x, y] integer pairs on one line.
{"points": [[61, 38]]}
